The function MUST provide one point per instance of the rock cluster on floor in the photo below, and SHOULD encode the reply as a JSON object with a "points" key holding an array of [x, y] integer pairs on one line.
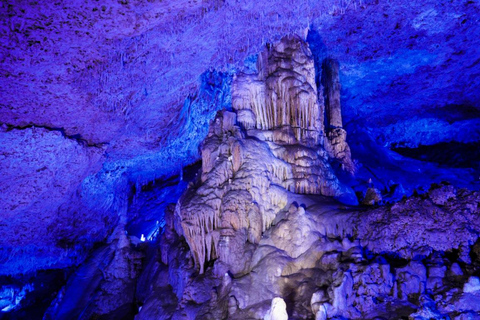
{"points": [[410, 260]]}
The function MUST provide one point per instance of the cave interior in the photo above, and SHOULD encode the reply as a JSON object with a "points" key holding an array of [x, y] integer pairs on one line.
{"points": [[223, 159]]}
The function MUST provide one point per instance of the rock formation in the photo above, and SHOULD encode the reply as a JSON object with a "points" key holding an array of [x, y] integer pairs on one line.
{"points": [[262, 237], [278, 310], [281, 99], [100, 101], [41, 168], [270, 145], [327, 262], [336, 135], [281, 103]]}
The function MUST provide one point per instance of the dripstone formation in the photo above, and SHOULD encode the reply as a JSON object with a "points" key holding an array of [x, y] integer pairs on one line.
{"points": [[336, 135], [273, 143], [320, 260], [104, 114]]}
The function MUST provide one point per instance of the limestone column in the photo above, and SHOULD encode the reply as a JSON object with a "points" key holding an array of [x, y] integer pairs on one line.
{"points": [[331, 84], [336, 145]]}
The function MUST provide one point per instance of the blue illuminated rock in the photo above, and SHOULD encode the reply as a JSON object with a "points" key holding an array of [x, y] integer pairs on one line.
{"points": [[101, 101]]}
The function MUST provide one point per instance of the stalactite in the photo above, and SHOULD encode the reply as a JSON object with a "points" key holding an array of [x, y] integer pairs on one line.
{"points": [[245, 181], [290, 95]]}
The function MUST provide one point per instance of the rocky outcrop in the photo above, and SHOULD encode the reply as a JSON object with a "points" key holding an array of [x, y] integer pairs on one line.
{"points": [[44, 221], [104, 286], [256, 237], [326, 262], [118, 73], [278, 310], [236, 192], [281, 103], [281, 99]]}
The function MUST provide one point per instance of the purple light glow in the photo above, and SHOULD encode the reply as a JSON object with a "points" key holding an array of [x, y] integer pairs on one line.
{"points": [[240, 160]]}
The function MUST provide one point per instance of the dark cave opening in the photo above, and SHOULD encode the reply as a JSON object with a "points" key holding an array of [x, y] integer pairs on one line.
{"points": [[451, 154], [39, 291], [148, 220]]}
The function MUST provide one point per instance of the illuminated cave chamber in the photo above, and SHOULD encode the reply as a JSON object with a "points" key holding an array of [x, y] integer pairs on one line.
{"points": [[266, 229], [280, 137]]}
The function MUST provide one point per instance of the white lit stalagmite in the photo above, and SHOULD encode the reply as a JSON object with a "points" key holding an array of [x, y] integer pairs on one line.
{"points": [[282, 97], [269, 146]]}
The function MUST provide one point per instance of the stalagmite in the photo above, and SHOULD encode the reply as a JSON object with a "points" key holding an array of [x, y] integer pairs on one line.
{"points": [[283, 94], [278, 310], [331, 83], [336, 144], [270, 145]]}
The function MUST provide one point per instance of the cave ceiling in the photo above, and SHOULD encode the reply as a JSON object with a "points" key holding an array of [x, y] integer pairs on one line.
{"points": [[117, 73]]}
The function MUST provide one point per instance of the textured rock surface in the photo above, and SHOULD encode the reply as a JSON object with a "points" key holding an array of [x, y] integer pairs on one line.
{"points": [[328, 262], [283, 95], [125, 75], [103, 286], [110, 60], [257, 246], [43, 169], [281, 103], [278, 310], [101, 99], [337, 137], [246, 173]]}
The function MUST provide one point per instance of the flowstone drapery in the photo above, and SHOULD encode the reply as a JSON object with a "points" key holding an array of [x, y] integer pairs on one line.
{"points": [[271, 144]]}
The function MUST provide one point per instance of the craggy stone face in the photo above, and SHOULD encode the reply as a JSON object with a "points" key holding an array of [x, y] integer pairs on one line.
{"points": [[281, 146], [43, 220]]}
